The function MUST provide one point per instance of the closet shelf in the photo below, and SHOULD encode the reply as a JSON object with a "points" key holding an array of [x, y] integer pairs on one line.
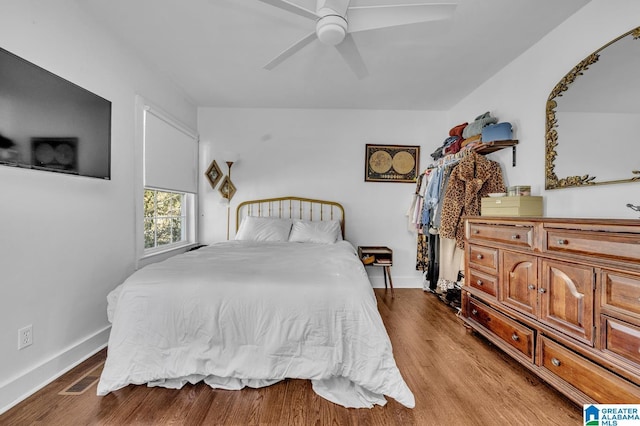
{"points": [[489, 147]]}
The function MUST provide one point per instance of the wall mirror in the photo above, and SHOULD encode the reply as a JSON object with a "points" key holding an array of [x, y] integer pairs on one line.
{"points": [[593, 119]]}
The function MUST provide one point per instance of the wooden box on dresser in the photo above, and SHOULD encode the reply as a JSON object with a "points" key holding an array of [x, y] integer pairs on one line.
{"points": [[562, 296]]}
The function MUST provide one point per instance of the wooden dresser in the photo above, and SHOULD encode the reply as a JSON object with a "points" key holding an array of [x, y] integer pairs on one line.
{"points": [[562, 296]]}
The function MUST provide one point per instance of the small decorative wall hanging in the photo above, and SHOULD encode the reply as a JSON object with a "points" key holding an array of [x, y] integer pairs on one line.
{"points": [[213, 174], [391, 163], [227, 188]]}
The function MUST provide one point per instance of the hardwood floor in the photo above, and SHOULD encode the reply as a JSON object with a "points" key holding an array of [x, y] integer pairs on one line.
{"points": [[457, 378]]}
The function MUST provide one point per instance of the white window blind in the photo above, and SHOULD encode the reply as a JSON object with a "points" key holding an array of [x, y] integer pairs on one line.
{"points": [[170, 154]]}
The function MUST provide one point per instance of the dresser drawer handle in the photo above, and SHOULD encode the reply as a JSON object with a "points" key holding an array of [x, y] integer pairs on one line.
{"points": [[476, 232], [531, 286], [479, 282], [474, 312], [515, 337], [479, 257], [556, 362], [563, 242], [515, 237], [542, 290]]}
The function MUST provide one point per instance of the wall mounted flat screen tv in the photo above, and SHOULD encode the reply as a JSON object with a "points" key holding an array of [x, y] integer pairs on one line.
{"points": [[48, 123]]}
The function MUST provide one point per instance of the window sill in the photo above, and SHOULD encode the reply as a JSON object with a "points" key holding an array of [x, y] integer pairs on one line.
{"points": [[164, 253]]}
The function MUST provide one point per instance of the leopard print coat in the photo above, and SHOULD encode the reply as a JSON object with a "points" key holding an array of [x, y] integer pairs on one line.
{"points": [[473, 178]]}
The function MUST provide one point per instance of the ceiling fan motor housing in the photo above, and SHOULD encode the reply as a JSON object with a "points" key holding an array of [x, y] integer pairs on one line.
{"points": [[331, 29]]}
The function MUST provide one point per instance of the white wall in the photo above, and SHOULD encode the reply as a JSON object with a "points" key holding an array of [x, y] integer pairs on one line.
{"points": [[519, 93], [320, 154], [66, 241]]}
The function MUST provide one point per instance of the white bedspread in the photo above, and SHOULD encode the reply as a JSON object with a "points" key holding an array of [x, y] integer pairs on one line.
{"points": [[242, 313]]}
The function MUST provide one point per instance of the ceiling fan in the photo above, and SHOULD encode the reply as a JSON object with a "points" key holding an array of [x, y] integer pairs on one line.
{"points": [[336, 21]]}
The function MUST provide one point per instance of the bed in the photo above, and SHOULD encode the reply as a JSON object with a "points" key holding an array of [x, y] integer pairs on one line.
{"points": [[287, 298]]}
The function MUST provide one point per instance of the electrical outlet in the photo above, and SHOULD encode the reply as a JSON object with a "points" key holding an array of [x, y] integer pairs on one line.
{"points": [[25, 336]]}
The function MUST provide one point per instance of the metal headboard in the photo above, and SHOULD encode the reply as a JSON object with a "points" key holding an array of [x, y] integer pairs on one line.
{"points": [[292, 208]]}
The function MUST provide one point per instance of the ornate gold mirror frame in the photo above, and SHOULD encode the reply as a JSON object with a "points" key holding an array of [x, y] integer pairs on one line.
{"points": [[551, 179]]}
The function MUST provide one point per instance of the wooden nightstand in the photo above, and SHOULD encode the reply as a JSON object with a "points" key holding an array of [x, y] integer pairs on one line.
{"points": [[383, 257]]}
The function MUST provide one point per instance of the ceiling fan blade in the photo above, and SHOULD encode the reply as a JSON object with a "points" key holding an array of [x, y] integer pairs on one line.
{"points": [[351, 55], [290, 51], [293, 8], [367, 18], [337, 6]]}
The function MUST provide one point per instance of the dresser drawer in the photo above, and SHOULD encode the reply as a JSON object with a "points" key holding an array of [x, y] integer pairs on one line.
{"points": [[483, 258], [483, 282], [610, 246], [586, 376], [511, 332], [512, 235], [621, 293], [621, 338]]}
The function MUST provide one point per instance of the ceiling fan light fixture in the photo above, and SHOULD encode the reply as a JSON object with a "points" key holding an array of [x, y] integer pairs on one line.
{"points": [[335, 29], [331, 29]]}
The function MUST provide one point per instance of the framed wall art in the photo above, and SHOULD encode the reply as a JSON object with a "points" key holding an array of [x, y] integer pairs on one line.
{"points": [[227, 188], [213, 174], [391, 163]]}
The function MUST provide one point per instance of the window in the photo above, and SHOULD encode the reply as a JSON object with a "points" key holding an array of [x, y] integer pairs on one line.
{"points": [[165, 218], [167, 203]]}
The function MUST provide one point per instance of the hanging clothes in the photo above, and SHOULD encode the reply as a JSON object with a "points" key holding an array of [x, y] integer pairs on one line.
{"points": [[422, 254], [431, 197], [446, 174], [473, 178], [414, 213], [424, 210], [432, 190], [451, 258]]}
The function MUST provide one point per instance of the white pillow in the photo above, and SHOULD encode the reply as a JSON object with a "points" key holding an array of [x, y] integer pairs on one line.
{"points": [[254, 228], [324, 231]]}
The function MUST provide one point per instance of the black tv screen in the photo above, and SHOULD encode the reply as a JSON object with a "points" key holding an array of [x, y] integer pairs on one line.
{"points": [[48, 123]]}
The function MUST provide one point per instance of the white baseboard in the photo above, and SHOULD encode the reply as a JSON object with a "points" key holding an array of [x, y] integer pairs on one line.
{"points": [[19, 388]]}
